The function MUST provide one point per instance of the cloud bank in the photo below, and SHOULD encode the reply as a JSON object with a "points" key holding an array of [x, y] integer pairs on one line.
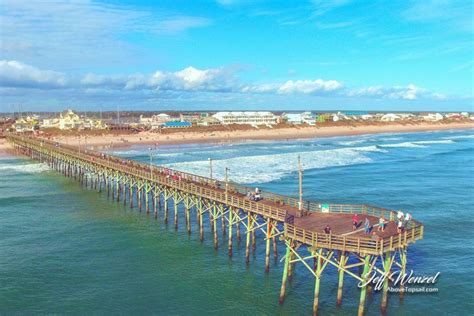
{"points": [[17, 75]]}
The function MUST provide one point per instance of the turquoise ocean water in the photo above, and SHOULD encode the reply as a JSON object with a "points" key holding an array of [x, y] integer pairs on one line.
{"points": [[64, 249]]}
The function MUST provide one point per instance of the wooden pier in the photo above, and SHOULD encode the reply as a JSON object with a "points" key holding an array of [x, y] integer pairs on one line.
{"points": [[301, 229]]}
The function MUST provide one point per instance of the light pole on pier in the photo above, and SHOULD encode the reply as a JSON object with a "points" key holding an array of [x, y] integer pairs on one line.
{"points": [[226, 182], [151, 158], [210, 168], [300, 182]]}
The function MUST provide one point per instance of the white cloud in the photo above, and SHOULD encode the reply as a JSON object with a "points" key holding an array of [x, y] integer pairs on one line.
{"points": [[17, 74], [192, 80], [410, 92], [309, 86]]}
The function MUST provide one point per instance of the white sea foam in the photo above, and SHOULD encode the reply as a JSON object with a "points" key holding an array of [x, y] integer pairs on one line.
{"points": [[403, 145], [460, 137], [266, 168], [352, 142], [25, 168], [427, 142]]}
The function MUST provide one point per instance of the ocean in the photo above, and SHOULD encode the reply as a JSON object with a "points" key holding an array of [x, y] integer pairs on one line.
{"points": [[68, 250]]}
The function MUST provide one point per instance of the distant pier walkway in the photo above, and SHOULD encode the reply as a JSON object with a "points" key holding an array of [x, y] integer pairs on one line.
{"points": [[277, 217]]}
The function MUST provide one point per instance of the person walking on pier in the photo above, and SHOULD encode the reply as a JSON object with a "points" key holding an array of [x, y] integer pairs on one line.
{"points": [[382, 224], [355, 221], [367, 226]]}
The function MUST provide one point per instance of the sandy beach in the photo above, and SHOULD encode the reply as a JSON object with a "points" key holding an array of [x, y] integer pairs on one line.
{"points": [[181, 137], [4, 147]]}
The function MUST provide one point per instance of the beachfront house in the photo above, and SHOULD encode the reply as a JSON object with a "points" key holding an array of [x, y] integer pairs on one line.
{"points": [[155, 121], [27, 124], [454, 116], [390, 117], [432, 117], [70, 120], [50, 123], [192, 117], [209, 121], [249, 117], [300, 118], [90, 123], [354, 115], [323, 117]]}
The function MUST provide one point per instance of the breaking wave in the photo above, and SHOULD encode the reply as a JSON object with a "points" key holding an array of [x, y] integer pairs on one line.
{"points": [[266, 168], [417, 144], [26, 168]]}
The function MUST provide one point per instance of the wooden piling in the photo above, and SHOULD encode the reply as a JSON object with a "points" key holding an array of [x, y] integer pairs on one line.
{"points": [[386, 267], [249, 232], [317, 282], [267, 246], [188, 219], [281, 300], [342, 261], [403, 261], [230, 231], [363, 290]]}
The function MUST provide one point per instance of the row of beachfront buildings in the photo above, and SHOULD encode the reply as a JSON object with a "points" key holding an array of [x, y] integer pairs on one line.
{"points": [[70, 120], [67, 120], [258, 118]]}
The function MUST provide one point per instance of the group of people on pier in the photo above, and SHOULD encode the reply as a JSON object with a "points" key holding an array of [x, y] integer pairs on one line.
{"points": [[402, 221], [257, 196]]}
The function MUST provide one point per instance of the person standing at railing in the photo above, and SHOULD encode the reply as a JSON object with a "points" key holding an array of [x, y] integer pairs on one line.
{"points": [[327, 229], [407, 220], [382, 224], [355, 221]]}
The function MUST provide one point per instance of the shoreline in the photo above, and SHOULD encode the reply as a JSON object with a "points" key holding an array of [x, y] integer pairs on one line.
{"points": [[177, 138]]}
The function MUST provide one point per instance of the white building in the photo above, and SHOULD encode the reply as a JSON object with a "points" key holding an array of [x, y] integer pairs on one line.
{"points": [[155, 121], [251, 118], [70, 120], [367, 117], [50, 123], [209, 121], [432, 117], [390, 117]]}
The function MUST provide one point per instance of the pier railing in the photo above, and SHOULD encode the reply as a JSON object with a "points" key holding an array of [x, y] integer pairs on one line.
{"points": [[365, 245], [235, 197], [189, 183]]}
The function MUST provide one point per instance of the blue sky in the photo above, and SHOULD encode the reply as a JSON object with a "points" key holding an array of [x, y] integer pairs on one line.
{"points": [[236, 54]]}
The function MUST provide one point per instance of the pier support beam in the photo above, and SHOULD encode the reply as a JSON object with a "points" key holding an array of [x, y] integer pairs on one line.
{"points": [[387, 265], [214, 225], [267, 245], [403, 262], [342, 263], [188, 219], [147, 194], [363, 290], [249, 231], [175, 205], [166, 210], [285, 276], [230, 231], [318, 272]]}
